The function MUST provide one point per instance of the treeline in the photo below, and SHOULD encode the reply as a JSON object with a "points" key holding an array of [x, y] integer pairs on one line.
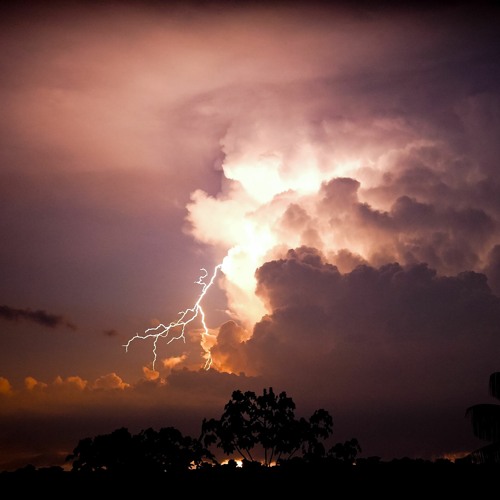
{"points": [[271, 453], [260, 436], [258, 430]]}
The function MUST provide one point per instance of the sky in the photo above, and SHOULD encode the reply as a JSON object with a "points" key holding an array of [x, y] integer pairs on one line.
{"points": [[313, 188]]}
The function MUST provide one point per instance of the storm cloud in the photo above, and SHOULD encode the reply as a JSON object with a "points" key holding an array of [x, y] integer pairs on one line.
{"points": [[339, 162]]}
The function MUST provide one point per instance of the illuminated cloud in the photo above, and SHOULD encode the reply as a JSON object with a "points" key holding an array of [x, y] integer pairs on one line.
{"points": [[33, 384], [150, 374], [73, 382], [109, 381], [227, 353], [170, 363], [5, 386], [359, 184]]}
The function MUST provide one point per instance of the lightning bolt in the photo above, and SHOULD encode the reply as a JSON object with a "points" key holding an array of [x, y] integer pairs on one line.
{"points": [[186, 317]]}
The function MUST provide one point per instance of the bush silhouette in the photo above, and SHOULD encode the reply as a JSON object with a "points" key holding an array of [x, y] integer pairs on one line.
{"points": [[150, 451]]}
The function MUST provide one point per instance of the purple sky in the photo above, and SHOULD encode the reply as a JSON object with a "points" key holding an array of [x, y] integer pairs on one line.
{"points": [[340, 164]]}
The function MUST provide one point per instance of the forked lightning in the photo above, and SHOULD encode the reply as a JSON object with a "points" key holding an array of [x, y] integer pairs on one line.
{"points": [[186, 317]]}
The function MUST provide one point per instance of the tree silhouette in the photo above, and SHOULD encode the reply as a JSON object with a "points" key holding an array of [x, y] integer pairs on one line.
{"points": [[269, 421], [150, 451], [312, 434], [485, 420], [112, 452], [345, 452], [169, 451]]}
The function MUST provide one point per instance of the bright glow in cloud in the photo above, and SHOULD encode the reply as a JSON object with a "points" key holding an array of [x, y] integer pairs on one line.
{"points": [[358, 206]]}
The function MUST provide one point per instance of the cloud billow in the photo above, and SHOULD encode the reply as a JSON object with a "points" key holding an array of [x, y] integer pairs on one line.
{"points": [[394, 300]]}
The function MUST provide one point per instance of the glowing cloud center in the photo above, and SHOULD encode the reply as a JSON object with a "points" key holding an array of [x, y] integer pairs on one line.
{"points": [[186, 317], [255, 205], [262, 187]]}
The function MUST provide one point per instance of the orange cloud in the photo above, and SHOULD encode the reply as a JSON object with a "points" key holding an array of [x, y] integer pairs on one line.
{"points": [[110, 381], [173, 361], [72, 382], [32, 384], [5, 387], [150, 374]]}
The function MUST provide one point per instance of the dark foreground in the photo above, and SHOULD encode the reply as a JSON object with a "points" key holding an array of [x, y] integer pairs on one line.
{"points": [[396, 479]]}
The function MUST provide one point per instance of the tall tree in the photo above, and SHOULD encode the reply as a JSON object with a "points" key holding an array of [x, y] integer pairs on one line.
{"points": [[269, 421], [485, 419]]}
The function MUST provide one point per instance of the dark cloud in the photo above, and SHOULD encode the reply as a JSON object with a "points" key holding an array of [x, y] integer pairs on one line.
{"points": [[111, 332], [393, 300], [492, 269], [38, 316], [403, 343]]}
